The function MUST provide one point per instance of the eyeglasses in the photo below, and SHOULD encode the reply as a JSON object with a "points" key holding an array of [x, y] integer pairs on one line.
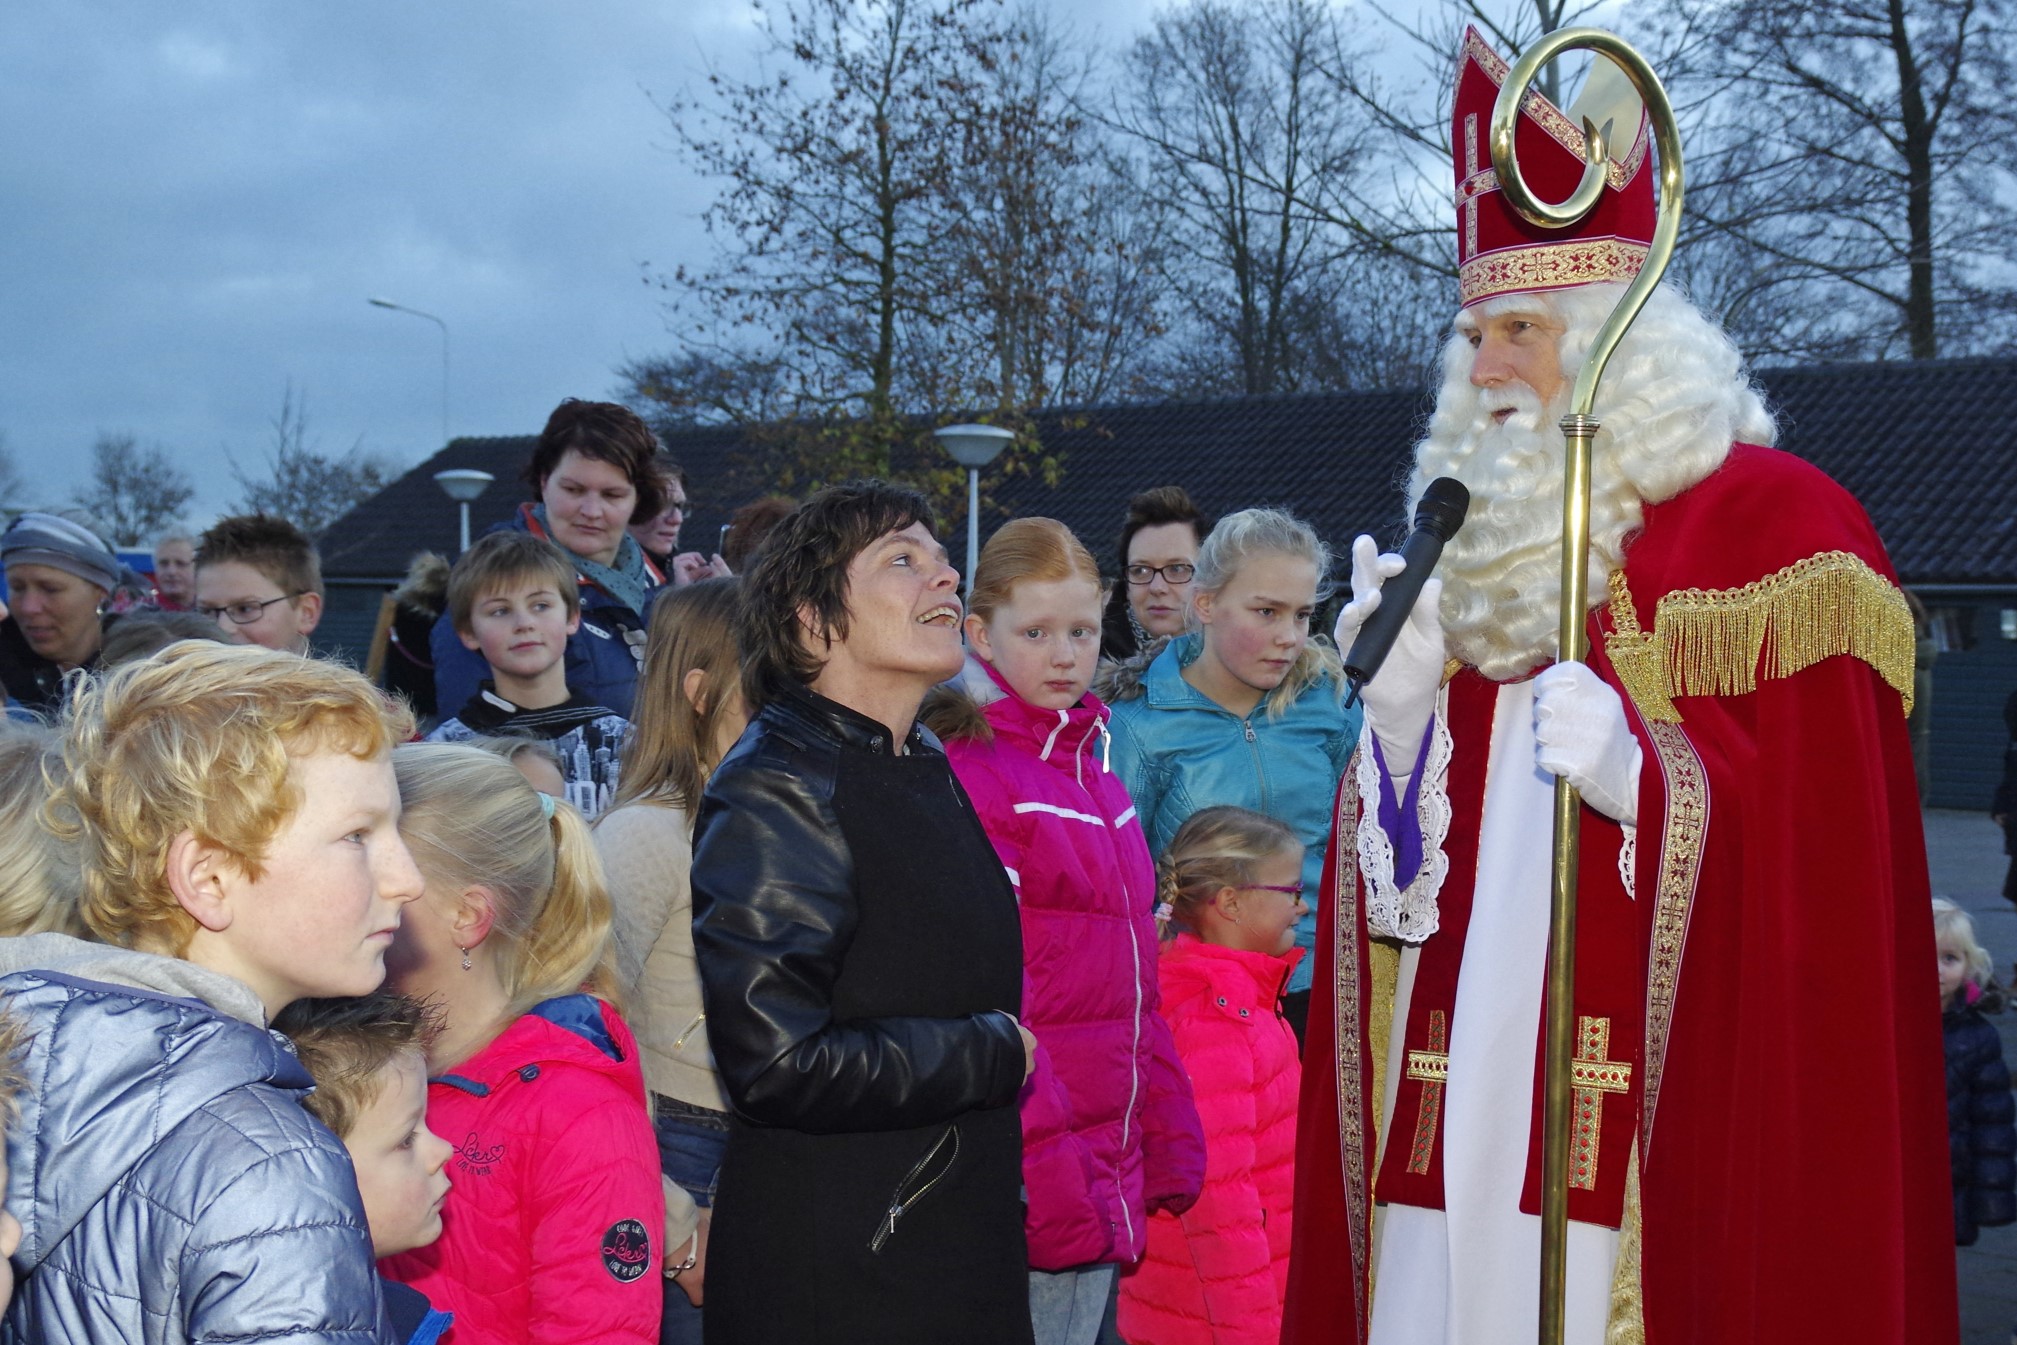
{"points": [[1177, 572], [1293, 890], [244, 613]]}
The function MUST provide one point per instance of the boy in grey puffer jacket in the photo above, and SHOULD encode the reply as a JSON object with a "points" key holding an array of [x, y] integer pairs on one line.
{"points": [[236, 817]]}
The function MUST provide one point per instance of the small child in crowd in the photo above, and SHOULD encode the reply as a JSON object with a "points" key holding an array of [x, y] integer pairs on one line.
{"points": [[368, 1057], [554, 1226], [1231, 881], [234, 815], [259, 578], [1109, 1130], [1981, 1114], [513, 597]]}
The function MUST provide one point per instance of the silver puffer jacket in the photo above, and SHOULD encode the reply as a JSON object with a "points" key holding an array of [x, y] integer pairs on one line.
{"points": [[169, 1185]]}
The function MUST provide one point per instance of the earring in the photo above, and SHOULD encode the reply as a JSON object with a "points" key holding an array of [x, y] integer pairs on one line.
{"points": [[465, 958]]}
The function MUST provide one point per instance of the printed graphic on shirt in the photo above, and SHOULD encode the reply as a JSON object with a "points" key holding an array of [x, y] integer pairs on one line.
{"points": [[626, 1250], [591, 753], [476, 1158], [589, 760]]}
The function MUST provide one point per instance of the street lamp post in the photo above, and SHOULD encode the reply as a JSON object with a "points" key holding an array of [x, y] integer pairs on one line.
{"points": [[462, 485], [973, 447], [402, 308]]}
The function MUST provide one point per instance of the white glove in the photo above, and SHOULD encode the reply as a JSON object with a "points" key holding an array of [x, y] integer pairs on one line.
{"points": [[1580, 735], [1401, 698]]}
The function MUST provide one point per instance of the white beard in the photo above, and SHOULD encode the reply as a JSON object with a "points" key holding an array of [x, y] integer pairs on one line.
{"points": [[1502, 572]]}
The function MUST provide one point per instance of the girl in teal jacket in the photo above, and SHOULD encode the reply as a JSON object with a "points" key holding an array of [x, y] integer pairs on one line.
{"points": [[1245, 708]]}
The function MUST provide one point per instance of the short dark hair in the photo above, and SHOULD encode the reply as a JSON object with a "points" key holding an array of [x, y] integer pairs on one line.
{"points": [[804, 565], [1154, 508], [608, 433], [345, 1045], [272, 546], [750, 526], [1150, 509], [504, 557]]}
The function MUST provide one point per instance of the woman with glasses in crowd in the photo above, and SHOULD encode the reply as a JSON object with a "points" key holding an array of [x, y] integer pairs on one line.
{"points": [[1157, 556]]}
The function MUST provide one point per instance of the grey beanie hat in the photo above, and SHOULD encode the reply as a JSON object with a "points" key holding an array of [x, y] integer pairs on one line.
{"points": [[52, 540]]}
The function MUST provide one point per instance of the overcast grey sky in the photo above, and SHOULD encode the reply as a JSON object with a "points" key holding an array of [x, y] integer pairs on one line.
{"points": [[200, 196]]}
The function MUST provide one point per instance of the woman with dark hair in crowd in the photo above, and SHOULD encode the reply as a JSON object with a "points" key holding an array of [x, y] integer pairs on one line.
{"points": [[861, 959], [594, 475], [1157, 556]]}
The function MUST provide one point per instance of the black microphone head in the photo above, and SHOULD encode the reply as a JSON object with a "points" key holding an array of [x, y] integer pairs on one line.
{"points": [[1443, 507]]}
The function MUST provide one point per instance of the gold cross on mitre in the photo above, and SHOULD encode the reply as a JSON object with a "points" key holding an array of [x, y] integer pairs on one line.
{"points": [[1432, 1068], [1591, 1076]]}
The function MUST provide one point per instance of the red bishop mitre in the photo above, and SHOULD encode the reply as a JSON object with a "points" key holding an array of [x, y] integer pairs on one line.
{"points": [[1498, 252]]}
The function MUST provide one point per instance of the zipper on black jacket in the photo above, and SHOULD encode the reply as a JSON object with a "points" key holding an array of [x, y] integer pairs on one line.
{"points": [[898, 1203]]}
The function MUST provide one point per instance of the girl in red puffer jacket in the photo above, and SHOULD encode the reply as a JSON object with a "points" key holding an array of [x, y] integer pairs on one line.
{"points": [[553, 1230], [1109, 1131], [1215, 1275]]}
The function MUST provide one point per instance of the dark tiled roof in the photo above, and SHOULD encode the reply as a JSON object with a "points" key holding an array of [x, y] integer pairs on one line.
{"points": [[1930, 447]]}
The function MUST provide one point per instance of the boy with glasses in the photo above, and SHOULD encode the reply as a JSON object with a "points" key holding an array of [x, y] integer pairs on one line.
{"points": [[259, 579]]}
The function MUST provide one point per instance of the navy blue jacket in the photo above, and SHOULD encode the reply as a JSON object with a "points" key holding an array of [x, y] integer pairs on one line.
{"points": [[602, 656], [1980, 1129]]}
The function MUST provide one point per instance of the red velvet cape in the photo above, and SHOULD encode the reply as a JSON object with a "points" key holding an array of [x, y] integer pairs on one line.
{"points": [[1794, 1180]]}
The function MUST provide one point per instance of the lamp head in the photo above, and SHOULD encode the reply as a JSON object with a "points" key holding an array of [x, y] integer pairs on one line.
{"points": [[974, 445], [463, 484]]}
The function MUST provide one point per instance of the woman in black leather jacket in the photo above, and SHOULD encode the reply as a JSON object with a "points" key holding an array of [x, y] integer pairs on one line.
{"points": [[861, 960]]}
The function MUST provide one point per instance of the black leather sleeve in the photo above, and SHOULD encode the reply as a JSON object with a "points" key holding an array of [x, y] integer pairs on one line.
{"points": [[773, 914]]}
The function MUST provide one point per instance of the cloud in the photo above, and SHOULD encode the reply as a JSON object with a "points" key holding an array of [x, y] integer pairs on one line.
{"points": [[202, 195]]}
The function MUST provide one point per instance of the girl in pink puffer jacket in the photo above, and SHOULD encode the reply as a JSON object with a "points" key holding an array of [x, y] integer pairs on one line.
{"points": [[1109, 1130], [1215, 1275]]}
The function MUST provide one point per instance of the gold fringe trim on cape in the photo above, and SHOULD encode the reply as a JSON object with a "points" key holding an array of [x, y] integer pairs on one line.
{"points": [[1720, 642]]}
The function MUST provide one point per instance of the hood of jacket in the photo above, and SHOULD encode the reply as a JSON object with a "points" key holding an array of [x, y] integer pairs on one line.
{"points": [[1052, 736], [572, 1029], [126, 1046]]}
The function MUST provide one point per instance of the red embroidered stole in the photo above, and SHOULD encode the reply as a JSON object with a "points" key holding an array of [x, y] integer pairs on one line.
{"points": [[1610, 989]]}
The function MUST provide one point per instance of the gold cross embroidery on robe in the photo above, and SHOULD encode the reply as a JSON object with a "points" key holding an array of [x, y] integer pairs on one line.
{"points": [[1591, 1076], [1432, 1068]]}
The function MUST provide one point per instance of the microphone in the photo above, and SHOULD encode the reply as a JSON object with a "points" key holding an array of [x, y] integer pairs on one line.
{"points": [[1437, 519]]}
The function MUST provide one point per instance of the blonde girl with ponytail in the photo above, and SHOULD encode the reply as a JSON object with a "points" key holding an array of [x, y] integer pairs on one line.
{"points": [[1232, 891], [554, 1224]]}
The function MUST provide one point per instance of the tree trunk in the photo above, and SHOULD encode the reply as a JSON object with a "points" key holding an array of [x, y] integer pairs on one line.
{"points": [[1917, 151]]}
